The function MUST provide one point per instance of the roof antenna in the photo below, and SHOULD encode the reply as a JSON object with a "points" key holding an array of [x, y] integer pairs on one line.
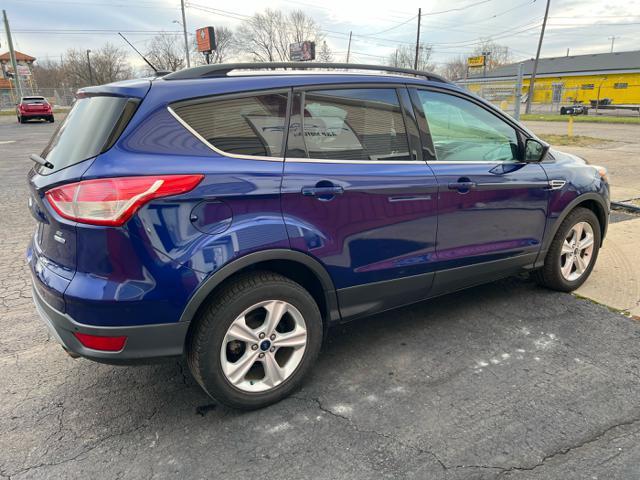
{"points": [[138, 52]]}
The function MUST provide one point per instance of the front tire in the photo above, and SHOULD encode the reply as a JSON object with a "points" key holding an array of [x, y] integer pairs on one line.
{"points": [[572, 253], [255, 341]]}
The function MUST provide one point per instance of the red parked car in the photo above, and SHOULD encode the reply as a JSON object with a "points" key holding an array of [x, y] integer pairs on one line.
{"points": [[34, 107]]}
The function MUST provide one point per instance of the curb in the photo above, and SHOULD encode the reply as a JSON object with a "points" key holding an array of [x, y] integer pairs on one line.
{"points": [[625, 206]]}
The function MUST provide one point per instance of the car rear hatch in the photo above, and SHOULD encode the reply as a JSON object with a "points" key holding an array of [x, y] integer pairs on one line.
{"points": [[95, 122], [35, 106]]}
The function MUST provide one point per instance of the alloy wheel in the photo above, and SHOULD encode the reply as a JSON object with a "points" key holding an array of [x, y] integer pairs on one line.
{"points": [[263, 346], [577, 251]]}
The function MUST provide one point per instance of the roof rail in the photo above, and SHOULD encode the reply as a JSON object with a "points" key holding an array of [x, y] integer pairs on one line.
{"points": [[222, 69]]}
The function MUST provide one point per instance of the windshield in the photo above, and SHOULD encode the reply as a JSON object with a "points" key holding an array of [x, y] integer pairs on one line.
{"points": [[85, 131]]}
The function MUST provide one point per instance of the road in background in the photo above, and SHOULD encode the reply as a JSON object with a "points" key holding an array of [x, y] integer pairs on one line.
{"points": [[619, 152]]}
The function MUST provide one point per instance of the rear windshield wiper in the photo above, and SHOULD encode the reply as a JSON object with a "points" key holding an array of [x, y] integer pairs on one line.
{"points": [[40, 161]]}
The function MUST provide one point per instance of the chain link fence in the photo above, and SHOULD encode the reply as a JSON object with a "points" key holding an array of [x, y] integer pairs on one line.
{"points": [[61, 97], [609, 98]]}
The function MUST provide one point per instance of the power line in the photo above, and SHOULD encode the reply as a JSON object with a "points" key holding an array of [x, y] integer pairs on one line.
{"points": [[389, 29], [457, 9]]}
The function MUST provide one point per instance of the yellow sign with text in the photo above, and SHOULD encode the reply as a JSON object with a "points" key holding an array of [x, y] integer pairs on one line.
{"points": [[476, 61]]}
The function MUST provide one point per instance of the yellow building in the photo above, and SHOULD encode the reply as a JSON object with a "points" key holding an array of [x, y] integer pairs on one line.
{"points": [[565, 80]]}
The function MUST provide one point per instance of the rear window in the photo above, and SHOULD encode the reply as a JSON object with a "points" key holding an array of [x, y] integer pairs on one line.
{"points": [[32, 100], [91, 127], [251, 125]]}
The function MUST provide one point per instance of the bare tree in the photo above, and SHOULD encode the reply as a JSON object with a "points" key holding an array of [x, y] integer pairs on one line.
{"points": [[404, 57], [266, 36], [166, 52], [48, 74], [324, 54], [455, 69], [499, 54], [108, 64]]}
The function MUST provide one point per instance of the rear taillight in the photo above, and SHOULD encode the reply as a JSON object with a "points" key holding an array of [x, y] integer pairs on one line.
{"points": [[112, 201]]}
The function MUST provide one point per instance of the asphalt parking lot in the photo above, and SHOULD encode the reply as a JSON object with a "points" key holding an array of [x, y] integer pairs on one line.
{"points": [[506, 380]]}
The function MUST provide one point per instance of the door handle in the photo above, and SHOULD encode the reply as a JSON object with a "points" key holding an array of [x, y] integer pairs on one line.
{"points": [[463, 185], [322, 191]]}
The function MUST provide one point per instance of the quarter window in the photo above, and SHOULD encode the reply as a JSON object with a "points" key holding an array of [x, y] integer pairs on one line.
{"points": [[349, 124], [463, 131], [251, 125]]}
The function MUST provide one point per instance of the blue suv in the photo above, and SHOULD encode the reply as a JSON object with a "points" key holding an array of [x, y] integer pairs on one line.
{"points": [[232, 213]]}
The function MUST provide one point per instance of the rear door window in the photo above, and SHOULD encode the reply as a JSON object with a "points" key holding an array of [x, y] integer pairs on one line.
{"points": [[248, 125], [350, 124], [87, 130]]}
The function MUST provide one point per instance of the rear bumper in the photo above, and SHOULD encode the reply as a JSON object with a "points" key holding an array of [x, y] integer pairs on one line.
{"points": [[36, 114], [144, 342]]}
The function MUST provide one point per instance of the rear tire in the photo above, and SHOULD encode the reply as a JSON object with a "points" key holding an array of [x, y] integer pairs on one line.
{"points": [[573, 252], [50, 119], [243, 325]]}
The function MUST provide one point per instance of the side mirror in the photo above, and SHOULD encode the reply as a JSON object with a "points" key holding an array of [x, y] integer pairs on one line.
{"points": [[535, 150]]}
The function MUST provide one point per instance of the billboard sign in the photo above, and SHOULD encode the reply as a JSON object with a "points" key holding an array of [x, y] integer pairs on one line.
{"points": [[24, 71], [206, 39], [476, 61], [302, 51]]}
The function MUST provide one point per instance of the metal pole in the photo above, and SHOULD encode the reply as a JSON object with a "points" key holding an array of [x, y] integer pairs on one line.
{"points": [[532, 80], [12, 54], [349, 47], [89, 65], [613, 41], [184, 29], [516, 107], [415, 62]]}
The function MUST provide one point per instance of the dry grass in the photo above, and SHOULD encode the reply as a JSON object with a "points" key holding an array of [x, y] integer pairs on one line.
{"points": [[574, 141], [580, 118]]}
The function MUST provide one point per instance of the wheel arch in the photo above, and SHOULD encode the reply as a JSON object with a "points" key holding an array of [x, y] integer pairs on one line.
{"points": [[292, 264], [591, 201]]}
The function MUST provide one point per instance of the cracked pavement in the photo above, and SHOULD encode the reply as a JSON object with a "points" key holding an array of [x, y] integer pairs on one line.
{"points": [[503, 381]]}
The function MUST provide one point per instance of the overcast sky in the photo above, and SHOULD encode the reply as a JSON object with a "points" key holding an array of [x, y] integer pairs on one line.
{"points": [[46, 28]]}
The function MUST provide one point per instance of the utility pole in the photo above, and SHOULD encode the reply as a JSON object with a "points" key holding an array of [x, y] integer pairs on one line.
{"points": [[89, 66], [12, 54], [613, 41], [518, 95], [415, 62], [485, 58], [532, 80], [349, 47], [567, 52], [184, 30]]}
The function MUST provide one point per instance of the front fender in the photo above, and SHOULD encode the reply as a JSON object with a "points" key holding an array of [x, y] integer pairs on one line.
{"points": [[556, 219]]}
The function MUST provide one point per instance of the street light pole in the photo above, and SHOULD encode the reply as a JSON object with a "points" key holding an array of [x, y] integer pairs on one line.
{"points": [[184, 30], [89, 66], [12, 54], [532, 80]]}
